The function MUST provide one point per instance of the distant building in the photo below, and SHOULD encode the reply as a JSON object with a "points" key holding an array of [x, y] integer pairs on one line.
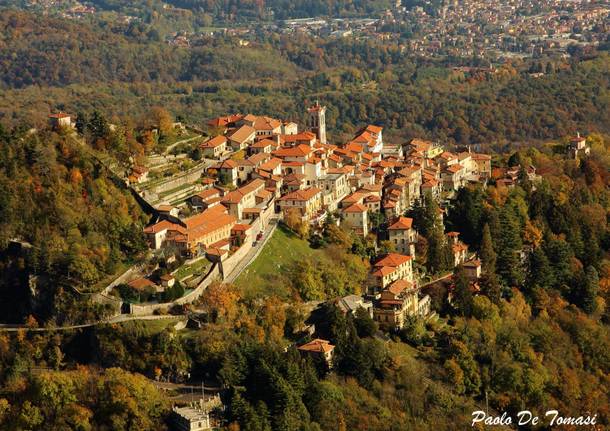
{"points": [[351, 303], [60, 119], [578, 147], [139, 174], [472, 269], [190, 419], [319, 348]]}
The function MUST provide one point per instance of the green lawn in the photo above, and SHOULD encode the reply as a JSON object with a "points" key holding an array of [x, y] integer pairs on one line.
{"points": [[149, 327], [197, 268], [265, 276]]}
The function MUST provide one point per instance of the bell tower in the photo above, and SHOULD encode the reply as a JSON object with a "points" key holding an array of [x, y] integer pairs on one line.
{"points": [[317, 121]]}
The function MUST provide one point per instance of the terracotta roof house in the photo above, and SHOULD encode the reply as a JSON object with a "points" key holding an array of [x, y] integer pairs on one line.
{"points": [[319, 349], [390, 268], [242, 137]]}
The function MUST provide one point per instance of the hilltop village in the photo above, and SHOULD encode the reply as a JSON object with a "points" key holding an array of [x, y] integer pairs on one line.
{"points": [[258, 170]]}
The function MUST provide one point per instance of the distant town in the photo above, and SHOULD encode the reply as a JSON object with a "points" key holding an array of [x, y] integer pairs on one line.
{"points": [[493, 30]]}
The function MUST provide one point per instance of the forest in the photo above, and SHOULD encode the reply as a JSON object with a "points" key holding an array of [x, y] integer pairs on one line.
{"points": [[353, 78], [55, 199], [247, 10], [535, 335]]}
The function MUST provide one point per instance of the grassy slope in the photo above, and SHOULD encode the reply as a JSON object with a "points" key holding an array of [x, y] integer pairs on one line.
{"points": [[266, 275]]}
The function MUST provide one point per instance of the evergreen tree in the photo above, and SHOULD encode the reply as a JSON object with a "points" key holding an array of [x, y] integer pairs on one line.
{"points": [[425, 215], [98, 125], [490, 286], [487, 253], [437, 251], [539, 272], [81, 122], [462, 296], [509, 246], [466, 215], [559, 255], [587, 289]]}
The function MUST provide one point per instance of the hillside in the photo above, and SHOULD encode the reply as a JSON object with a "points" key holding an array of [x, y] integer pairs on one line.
{"points": [[357, 80], [57, 199]]}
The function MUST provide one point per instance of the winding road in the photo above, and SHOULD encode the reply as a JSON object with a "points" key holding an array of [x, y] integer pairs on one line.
{"points": [[116, 319]]}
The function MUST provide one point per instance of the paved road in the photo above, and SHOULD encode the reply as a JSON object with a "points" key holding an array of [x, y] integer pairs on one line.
{"points": [[253, 253], [117, 319]]}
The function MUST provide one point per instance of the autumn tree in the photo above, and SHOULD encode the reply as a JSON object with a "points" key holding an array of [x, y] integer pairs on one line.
{"points": [[221, 300]]}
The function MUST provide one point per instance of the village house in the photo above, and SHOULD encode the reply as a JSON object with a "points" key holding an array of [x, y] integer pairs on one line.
{"points": [[192, 234], [262, 125], [459, 249], [320, 350], [272, 166], [139, 174], [355, 217], [143, 284], [303, 138], [168, 211], [350, 304], [395, 303], [262, 146], [483, 162], [167, 280], [373, 203], [388, 269], [214, 148], [432, 186], [335, 187], [242, 137], [60, 119], [370, 139], [190, 418], [290, 128], [454, 177], [222, 123], [472, 269], [241, 233], [307, 202], [227, 172], [403, 236], [426, 149], [578, 147], [248, 196], [413, 175], [206, 198]]}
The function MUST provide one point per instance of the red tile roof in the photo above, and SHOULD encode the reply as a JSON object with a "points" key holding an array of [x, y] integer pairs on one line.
{"points": [[214, 142], [301, 195], [402, 223], [392, 259], [356, 208], [317, 346]]}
